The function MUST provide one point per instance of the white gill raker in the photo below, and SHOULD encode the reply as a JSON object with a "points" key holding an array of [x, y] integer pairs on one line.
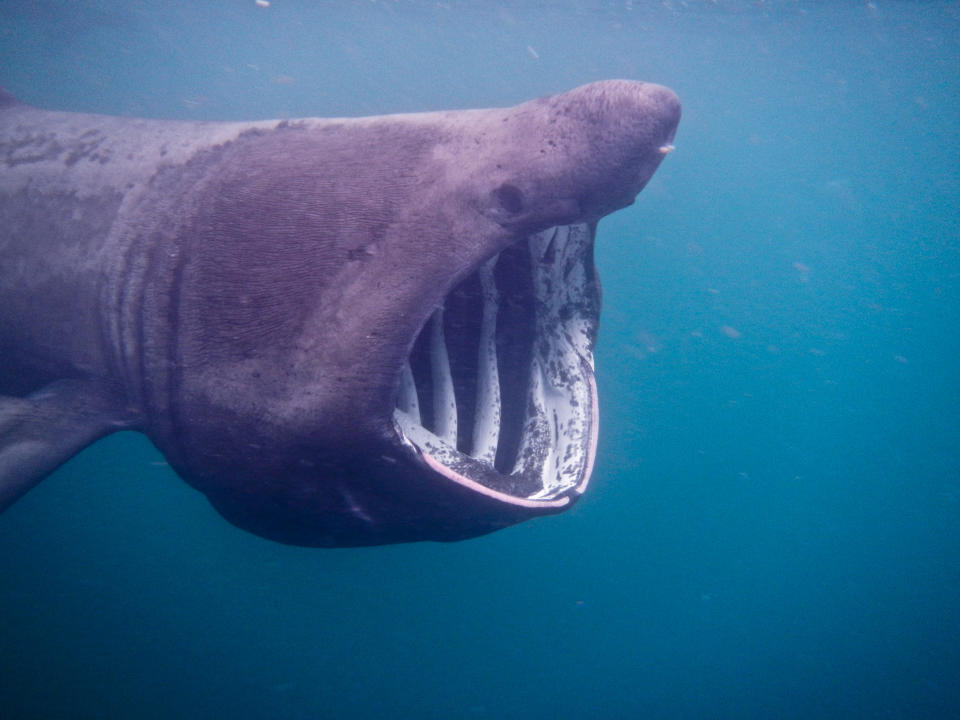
{"points": [[576, 279], [444, 402], [535, 442], [541, 241], [486, 424], [407, 399], [535, 430]]}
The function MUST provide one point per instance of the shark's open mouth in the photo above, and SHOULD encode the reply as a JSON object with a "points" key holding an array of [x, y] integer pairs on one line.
{"points": [[498, 393]]}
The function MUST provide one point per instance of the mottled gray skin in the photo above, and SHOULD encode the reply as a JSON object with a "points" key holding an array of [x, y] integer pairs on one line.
{"points": [[246, 293]]}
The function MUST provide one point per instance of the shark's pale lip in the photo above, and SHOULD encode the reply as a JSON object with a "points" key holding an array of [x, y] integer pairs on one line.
{"points": [[454, 406]]}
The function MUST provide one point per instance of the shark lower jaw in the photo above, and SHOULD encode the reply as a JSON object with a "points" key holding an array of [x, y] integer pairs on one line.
{"points": [[498, 393]]}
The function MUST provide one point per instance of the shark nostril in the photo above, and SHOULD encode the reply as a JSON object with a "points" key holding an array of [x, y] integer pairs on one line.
{"points": [[510, 197]]}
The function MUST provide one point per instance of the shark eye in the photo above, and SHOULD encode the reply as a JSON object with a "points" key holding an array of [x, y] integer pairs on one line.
{"points": [[509, 197]]}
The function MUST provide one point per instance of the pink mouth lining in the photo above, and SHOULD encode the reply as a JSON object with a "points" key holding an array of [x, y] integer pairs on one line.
{"points": [[495, 494]]}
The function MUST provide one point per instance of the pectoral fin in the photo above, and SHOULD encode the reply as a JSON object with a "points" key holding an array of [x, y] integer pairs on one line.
{"points": [[40, 432]]}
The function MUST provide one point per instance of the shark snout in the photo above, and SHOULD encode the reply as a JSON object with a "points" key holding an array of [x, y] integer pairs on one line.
{"points": [[630, 128]]}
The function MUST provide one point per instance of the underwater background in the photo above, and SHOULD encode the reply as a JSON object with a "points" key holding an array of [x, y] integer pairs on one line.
{"points": [[773, 527]]}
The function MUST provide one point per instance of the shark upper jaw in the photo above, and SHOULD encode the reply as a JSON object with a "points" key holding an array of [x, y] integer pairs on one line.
{"points": [[498, 393]]}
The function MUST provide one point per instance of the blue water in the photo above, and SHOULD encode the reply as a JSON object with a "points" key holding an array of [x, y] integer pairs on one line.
{"points": [[773, 529]]}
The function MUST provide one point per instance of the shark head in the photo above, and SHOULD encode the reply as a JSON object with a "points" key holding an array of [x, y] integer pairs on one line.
{"points": [[385, 326]]}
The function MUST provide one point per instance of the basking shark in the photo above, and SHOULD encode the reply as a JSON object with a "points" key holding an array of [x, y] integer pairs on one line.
{"points": [[342, 331]]}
